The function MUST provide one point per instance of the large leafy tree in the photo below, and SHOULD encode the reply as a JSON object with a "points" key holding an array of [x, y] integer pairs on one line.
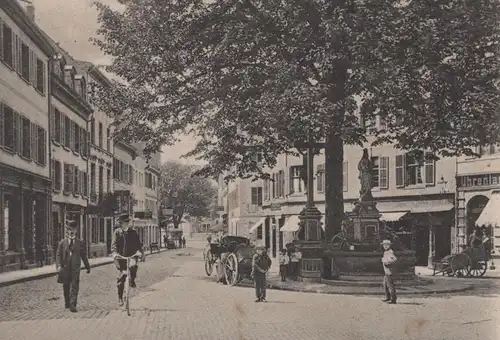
{"points": [[250, 76], [186, 194]]}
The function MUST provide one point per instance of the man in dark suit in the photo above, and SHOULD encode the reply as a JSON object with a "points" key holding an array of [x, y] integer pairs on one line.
{"points": [[126, 243], [70, 254]]}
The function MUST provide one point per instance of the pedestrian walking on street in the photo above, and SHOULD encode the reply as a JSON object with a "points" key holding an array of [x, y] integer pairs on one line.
{"points": [[388, 261], [69, 256], [183, 242], [284, 261], [126, 243], [260, 266]]}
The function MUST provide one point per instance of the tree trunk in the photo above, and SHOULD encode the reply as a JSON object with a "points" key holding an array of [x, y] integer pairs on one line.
{"points": [[334, 193], [334, 154]]}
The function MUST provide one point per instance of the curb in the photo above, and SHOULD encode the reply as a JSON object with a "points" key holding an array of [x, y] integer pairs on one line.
{"points": [[54, 273], [317, 291]]}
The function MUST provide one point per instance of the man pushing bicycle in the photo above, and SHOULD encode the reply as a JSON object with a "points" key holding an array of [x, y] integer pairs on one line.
{"points": [[125, 243]]}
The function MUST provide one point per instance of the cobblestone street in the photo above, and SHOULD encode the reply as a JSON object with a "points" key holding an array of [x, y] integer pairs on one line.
{"points": [[42, 299], [188, 305]]}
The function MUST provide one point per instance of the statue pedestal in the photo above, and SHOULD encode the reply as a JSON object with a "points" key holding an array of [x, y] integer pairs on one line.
{"points": [[309, 243], [366, 220]]}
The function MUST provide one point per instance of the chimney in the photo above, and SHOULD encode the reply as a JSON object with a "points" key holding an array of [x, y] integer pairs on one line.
{"points": [[30, 9]]}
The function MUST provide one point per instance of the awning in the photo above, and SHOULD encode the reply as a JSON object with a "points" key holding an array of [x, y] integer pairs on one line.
{"points": [[291, 224], [491, 212], [392, 216], [432, 208], [256, 225]]}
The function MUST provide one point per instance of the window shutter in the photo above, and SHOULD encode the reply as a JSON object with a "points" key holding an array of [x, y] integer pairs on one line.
{"points": [[400, 171], [53, 174], [52, 123], [19, 141], [44, 143], [72, 135], [290, 181], [63, 128], [32, 69], [34, 140], [35, 71], [14, 51], [1, 117], [430, 168], [384, 173], [19, 55]]}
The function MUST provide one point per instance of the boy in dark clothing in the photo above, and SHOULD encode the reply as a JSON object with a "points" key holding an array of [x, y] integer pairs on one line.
{"points": [[126, 243], [260, 265]]}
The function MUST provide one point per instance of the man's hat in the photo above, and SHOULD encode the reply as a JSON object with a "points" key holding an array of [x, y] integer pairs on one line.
{"points": [[261, 247], [71, 224], [124, 218], [388, 242]]}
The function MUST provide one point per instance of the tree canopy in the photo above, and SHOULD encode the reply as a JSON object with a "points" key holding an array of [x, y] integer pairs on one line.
{"points": [[250, 76], [184, 193]]}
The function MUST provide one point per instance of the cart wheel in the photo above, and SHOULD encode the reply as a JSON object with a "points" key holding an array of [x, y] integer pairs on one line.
{"points": [[479, 269], [208, 266], [231, 269], [460, 265]]}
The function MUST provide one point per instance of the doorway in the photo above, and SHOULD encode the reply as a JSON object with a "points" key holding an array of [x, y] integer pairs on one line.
{"points": [[422, 245]]}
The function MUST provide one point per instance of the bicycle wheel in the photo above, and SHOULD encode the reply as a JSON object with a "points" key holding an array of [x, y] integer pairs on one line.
{"points": [[127, 293]]}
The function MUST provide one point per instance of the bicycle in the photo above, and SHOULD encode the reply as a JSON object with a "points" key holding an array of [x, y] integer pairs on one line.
{"points": [[131, 261]]}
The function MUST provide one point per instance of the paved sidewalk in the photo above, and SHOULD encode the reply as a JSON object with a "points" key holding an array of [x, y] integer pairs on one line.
{"points": [[18, 276]]}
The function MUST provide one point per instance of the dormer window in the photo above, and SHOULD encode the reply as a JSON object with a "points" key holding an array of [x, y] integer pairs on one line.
{"points": [[80, 86], [69, 76]]}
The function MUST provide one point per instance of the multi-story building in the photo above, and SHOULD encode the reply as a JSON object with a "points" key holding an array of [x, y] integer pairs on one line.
{"points": [[478, 196], [414, 196], [25, 186], [100, 221], [145, 190], [69, 116]]}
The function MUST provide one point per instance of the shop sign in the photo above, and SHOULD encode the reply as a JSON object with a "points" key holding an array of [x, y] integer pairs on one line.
{"points": [[474, 181]]}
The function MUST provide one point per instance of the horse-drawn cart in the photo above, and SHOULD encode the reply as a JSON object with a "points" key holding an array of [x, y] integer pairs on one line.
{"points": [[473, 262], [232, 257]]}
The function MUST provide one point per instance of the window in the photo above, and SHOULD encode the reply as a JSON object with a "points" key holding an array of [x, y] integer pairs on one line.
{"points": [[72, 135], [68, 174], [108, 140], [76, 181], [414, 170], [25, 61], [259, 232], [380, 172], [8, 56], [257, 196], [265, 190], [42, 145], [92, 178], [40, 75], [94, 231], [56, 178], [67, 132], [77, 138], [382, 123], [92, 131], [26, 137], [9, 127], [108, 180], [296, 185], [85, 184], [100, 135], [320, 178], [345, 176], [57, 125], [101, 182]]}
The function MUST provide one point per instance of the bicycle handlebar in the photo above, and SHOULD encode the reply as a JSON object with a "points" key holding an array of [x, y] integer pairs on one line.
{"points": [[120, 257]]}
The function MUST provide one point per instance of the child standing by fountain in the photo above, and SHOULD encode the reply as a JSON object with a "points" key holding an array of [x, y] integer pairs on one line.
{"points": [[388, 260]]}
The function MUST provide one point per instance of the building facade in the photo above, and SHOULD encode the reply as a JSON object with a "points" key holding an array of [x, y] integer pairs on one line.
{"points": [[25, 174], [69, 117], [101, 205], [478, 197]]}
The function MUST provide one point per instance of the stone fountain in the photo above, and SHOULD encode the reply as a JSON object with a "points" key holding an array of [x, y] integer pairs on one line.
{"points": [[356, 251]]}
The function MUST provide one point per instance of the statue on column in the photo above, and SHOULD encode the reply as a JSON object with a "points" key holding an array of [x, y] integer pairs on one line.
{"points": [[365, 168]]}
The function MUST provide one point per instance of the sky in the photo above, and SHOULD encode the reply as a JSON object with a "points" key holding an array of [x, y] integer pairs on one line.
{"points": [[72, 23]]}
